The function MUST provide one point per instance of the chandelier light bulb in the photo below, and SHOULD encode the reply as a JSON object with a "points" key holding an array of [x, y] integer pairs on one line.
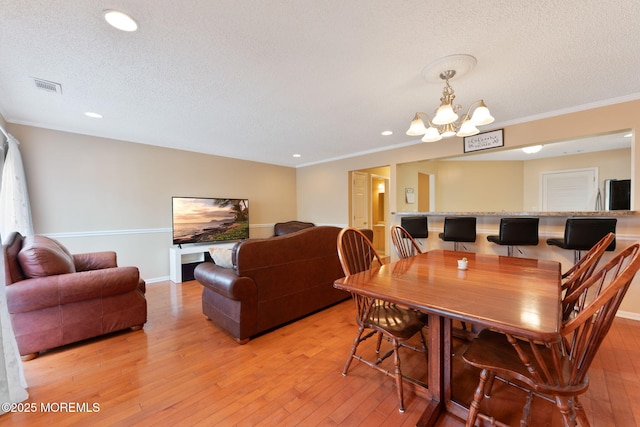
{"points": [[481, 115], [431, 135], [417, 127], [467, 128], [445, 115]]}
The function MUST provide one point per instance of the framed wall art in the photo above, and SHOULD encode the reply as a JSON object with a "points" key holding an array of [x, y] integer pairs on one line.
{"points": [[484, 141]]}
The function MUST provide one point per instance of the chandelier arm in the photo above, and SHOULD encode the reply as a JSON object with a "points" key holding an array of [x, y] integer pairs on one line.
{"points": [[420, 113], [475, 103]]}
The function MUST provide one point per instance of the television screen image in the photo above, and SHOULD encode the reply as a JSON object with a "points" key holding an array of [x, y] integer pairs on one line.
{"points": [[204, 220]]}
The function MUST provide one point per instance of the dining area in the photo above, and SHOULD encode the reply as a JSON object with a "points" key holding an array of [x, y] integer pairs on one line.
{"points": [[507, 340]]}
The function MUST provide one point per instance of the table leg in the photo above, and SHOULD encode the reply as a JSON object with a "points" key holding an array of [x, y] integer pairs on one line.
{"points": [[438, 366]]}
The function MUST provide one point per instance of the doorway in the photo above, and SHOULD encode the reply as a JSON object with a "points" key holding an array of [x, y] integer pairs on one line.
{"points": [[369, 204]]}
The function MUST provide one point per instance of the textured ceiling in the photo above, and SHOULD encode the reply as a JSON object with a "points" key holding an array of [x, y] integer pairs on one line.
{"points": [[262, 80]]}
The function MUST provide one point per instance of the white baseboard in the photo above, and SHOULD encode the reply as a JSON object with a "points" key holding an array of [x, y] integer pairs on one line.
{"points": [[628, 315]]}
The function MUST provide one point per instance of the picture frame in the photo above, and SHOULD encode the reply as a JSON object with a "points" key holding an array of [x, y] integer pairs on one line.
{"points": [[484, 141]]}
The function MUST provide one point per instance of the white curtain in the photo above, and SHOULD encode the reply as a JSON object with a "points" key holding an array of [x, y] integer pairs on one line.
{"points": [[15, 214], [15, 210], [13, 385]]}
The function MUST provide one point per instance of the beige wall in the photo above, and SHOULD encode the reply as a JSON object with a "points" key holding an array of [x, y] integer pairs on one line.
{"points": [[465, 183], [323, 189], [95, 193]]}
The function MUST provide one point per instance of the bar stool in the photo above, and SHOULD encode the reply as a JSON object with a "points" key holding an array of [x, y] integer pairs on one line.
{"points": [[516, 232], [580, 234], [416, 226], [459, 229]]}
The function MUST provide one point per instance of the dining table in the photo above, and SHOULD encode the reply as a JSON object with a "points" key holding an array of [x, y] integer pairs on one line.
{"points": [[521, 296]]}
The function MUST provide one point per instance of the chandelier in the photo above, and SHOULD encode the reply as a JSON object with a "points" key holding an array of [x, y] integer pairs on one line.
{"points": [[447, 122]]}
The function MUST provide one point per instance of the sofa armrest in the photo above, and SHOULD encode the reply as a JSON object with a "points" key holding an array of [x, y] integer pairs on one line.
{"points": [[51, 291], [95, 260], [225, 281]]}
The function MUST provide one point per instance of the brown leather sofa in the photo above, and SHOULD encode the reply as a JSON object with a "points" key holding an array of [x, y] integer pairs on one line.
{"points": [[288, 227], [273, 281], [56, 298]]}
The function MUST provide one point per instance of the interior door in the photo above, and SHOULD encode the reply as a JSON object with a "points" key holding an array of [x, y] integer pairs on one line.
{"points": [[359, 200], [569, 190]]}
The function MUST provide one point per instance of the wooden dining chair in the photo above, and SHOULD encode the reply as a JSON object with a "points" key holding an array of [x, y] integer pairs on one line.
{"points": [[403, 243], [581, 270], [558, 369], [377, 317]]}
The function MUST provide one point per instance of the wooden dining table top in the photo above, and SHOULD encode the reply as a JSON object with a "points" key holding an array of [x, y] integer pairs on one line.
{"points": [[514, 295]]}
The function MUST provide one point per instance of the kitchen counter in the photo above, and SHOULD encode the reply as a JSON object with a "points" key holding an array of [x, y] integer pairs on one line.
{"points": [[539, 214]]}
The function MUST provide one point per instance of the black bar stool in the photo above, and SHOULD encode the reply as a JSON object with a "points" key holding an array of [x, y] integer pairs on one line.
{"points": [[416, 226], [459, 229], [580, 234], [516, 232]]}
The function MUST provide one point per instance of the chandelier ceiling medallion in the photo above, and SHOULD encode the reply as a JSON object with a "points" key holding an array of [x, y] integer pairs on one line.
{"points": [[447, 122]]}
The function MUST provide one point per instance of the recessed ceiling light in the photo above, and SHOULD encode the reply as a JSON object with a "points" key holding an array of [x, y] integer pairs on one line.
{"points": [[120, 20], [297, 155], [387, 133], [532, 149], [93, 115]]}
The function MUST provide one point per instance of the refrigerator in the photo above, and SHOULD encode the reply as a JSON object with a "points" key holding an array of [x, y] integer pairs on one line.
{"points": [[617, 194]]}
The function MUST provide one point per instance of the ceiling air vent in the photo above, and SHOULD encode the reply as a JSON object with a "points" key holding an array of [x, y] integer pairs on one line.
{"points": [[47, 86]]}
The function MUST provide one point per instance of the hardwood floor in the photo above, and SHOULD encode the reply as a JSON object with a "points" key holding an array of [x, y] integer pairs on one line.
{"points": [[181, 370]]}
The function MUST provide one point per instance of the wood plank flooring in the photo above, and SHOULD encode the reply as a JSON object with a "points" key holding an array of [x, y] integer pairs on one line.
{"points": [[180, 370]]}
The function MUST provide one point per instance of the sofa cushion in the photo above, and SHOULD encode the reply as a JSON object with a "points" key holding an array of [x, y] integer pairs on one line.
{"points": [[283, 228], [221, 257], [41, 256]]}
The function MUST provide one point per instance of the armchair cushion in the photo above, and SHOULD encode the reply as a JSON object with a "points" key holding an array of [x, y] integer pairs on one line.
{"points": [[41, 293], [95, 261], [41, 256]]}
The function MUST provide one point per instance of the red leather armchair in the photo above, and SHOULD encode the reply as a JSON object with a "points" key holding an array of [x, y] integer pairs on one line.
{"points": [[56, 298]]}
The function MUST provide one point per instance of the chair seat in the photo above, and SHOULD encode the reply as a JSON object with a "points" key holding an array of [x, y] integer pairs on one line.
{"points": [[494, 239], [584, 247], [400, 322], [492, 351], [557, 242], [457, 238]]}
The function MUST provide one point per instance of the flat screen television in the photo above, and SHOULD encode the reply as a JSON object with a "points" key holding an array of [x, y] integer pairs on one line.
{"points": [[208, 219]]}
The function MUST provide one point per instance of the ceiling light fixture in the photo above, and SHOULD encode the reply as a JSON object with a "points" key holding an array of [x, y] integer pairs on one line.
{"points": [[93, 115], [120, 20], [446, 122], [533, 149], [386, 132]]}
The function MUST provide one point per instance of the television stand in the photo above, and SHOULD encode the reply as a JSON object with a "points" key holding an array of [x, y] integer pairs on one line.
{"points": [[184, 259]]}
